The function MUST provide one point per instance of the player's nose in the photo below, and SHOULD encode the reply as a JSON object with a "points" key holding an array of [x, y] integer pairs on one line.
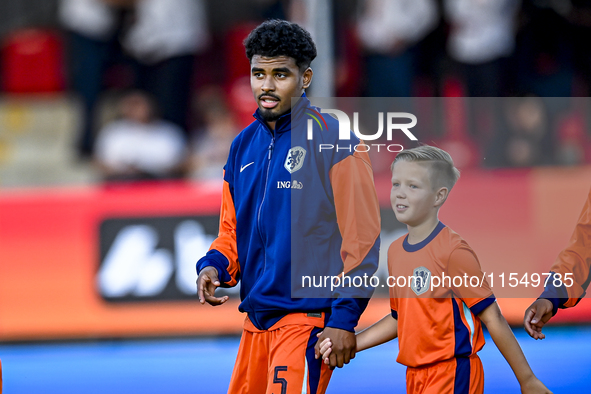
{"points": [[268, 85]]}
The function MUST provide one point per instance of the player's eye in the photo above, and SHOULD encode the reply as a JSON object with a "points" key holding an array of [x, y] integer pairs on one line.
{"points": [[395, 184], [281, 75], [258, 75], [413, 187]]}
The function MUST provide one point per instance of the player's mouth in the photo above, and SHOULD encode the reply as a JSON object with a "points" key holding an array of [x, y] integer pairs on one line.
{"points": [[268, 102], [401, 207]]}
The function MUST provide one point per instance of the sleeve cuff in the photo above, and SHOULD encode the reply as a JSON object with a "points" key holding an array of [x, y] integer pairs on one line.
{"points": [[343, 318], [558, 296], [394, 314], [477, 308], [215, 259], [555, 303]]}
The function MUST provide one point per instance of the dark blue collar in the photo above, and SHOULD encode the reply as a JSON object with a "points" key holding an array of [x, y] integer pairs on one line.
{"points": [[283, 124], [413, 248]]}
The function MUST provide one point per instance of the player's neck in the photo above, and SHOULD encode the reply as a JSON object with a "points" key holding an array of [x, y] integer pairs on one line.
{"points": [[421, 231]]}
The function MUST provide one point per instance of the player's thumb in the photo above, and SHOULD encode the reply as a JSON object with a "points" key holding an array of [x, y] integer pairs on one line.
{"points": [[213, 279], [537, 316]]}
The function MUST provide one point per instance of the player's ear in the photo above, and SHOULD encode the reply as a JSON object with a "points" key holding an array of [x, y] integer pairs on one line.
{"points": [[307, 77], [441, 196]]}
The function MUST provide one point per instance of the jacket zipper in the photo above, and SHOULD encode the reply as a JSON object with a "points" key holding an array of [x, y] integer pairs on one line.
{"points": [[271, 146], [270, 149]]}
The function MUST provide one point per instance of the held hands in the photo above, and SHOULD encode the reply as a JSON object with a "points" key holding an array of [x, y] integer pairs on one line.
{"points": [[336, 347], [536, 316], [207, 282], [325, 350]]}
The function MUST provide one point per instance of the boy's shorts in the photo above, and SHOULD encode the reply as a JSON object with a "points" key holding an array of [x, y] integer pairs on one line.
{"points": [[461, 375], [280, 360]]}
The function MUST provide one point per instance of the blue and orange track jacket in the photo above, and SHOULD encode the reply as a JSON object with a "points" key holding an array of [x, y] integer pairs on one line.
{"points": [[289, 210]]}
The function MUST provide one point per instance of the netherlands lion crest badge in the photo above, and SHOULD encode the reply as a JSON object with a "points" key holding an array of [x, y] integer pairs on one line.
{"points": [[295, 159], [421, 280]]}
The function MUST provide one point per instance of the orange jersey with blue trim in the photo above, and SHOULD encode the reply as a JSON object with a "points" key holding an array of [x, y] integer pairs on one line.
{"points": [[437, 323]]}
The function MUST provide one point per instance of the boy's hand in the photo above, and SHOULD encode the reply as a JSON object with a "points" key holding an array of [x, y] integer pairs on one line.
{"points": [[325, 350], [343, 346], [534, 386], [207, 282], [536, 316]]}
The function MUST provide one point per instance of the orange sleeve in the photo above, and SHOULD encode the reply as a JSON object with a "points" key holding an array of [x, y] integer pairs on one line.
{"points": [[575, 259], [357, 208], [463, 263], [225, 243], [358, 219]]}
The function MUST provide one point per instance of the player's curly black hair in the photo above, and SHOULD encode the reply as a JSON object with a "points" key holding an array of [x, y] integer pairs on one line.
{"points": [[277, 37]]}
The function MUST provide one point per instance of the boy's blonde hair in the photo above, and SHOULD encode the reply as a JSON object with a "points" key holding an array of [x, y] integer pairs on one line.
{"points": [[443, 171]]}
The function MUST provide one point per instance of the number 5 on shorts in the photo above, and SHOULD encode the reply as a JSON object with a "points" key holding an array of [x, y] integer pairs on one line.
{"points": [[282, 381]]}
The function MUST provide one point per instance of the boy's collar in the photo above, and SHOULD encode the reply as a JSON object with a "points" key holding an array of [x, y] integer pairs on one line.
{"points": [[418, 246]]}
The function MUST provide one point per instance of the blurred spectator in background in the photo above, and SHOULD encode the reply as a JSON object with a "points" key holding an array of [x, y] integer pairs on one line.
{"points": [[389, 31], [211, 143], [140, 145], [272, 9], [524, 137], [545, 49], [580, 18], [92, 28], [481, 37], [573, 141], [528, 127], [159, 39], [164, 38], [544, 55]]}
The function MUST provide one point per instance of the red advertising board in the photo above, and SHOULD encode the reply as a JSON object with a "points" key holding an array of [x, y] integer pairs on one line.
{"points": [[97, 261]]}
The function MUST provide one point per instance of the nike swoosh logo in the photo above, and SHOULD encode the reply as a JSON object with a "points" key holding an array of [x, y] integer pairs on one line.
{"points": [[243, 167]]}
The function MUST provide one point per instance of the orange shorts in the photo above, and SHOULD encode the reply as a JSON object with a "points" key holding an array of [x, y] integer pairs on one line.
{"points": [[460, 375], [280, 360]]}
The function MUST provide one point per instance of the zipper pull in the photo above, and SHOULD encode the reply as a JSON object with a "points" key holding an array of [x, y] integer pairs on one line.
{"points": [[271, 148]]}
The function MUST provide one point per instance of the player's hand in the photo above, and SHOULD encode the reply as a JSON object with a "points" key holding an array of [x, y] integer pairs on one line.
{"points": [[536, 316], [534, 386], [343, 346], [207, 282]]}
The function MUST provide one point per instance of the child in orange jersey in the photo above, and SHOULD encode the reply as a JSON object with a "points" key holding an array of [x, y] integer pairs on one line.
{"points": [[437, 322]]}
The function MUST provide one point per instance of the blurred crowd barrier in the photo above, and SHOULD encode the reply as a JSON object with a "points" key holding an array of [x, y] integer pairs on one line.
{"points": [[103, 262]]}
